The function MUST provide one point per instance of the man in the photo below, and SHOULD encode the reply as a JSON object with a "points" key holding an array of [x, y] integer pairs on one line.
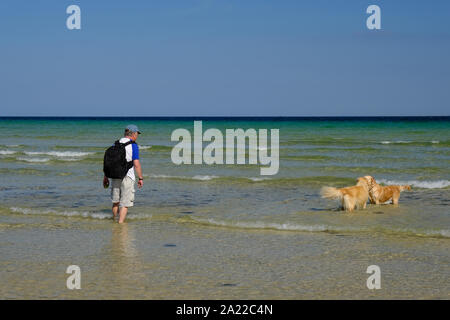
{"points": [[122, 190]]}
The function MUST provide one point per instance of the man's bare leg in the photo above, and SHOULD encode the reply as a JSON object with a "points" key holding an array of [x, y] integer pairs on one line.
{"points": [[122, 214], [115, 210]]}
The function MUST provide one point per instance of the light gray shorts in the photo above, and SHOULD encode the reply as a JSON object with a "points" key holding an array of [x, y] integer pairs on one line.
{"points": [[122, 191]]}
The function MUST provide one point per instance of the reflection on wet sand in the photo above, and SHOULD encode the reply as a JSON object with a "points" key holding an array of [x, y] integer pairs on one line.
{"points": [[127, 270]]}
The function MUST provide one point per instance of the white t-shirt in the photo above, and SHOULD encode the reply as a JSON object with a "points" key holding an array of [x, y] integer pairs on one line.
{"points": [[132, 153]]}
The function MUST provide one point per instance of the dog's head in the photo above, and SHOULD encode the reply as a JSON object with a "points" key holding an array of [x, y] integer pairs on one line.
{"points": [[367, 181], [371, 181], [407, 187], [362, 181]]}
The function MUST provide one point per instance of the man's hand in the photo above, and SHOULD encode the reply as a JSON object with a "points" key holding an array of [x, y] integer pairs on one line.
{"points": [[105, 182], [140, 183]]}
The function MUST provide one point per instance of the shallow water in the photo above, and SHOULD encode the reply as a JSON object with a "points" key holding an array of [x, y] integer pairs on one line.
{"points": [[224, 231]]}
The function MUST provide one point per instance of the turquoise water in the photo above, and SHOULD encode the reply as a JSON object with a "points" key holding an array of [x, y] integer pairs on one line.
{"points": [[224, 231], [54, 167]]}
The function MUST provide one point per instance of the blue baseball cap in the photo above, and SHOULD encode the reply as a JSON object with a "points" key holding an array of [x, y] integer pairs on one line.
{"points": [[133, 128]]}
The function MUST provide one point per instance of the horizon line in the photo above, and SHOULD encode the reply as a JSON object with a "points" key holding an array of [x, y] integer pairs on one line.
{"points": [[220, 117]]}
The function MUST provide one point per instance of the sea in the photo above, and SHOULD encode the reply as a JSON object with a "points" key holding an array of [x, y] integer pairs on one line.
{"points": [[224, 231]]}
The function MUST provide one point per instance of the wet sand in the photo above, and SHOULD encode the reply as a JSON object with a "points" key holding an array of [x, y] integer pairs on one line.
{"points": [[167, 260]]}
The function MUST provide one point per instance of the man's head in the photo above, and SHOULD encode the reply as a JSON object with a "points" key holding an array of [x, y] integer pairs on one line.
{"points": [[132, 132]]}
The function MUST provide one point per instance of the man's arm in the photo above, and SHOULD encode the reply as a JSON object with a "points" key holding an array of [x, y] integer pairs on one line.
{"points": [[138, 169]]}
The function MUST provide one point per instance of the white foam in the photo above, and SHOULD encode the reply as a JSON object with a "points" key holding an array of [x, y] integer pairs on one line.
{"points": [[441, 233], [139, 216], [437, 184], [7, 152], [160, 176], [317, 228], [402, 141], [69, 159], [200, 177], [197, 177], [274, 226], [398, 141], [61, 154], [445, 233], [33, 159], [204, 178], [84, 214], [258, 179], [144, 147]]}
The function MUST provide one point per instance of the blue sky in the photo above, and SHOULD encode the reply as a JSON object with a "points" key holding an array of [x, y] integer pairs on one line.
{"points": [[224, 58]]}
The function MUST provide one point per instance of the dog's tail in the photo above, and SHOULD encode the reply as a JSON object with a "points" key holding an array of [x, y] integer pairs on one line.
{"points": [[405, 187], [331, 193]]}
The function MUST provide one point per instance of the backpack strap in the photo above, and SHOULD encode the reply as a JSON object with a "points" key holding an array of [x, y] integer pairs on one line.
{"points": [[127, 143], [129, 163], [124, 144]]}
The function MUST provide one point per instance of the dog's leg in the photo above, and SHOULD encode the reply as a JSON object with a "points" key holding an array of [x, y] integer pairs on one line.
{"points": [[346, 203], [343, 204], [351, 203], [395, 198]]}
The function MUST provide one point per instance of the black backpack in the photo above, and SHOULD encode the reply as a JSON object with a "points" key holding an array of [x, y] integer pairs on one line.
{"points": [[115, 164]]}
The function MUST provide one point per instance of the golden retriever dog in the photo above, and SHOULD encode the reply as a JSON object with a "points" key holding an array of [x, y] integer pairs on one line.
{"points": [[351, 197], [379, 194]]}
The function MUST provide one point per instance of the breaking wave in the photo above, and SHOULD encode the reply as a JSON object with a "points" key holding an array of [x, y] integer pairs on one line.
{"points": [[7, 152], [197, 177], [273, 226], [204, 178], [37, 160], [259, 225], [240, 179], [414, 143], [342, 142], [245, 225], [46, 156], [257, 179], [438, 184], [60, 154], [69, 213], [155, 148], [395, 142]]}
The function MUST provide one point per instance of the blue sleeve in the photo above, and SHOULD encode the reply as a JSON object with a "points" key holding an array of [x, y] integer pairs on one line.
{"points": [[135, 151]]}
